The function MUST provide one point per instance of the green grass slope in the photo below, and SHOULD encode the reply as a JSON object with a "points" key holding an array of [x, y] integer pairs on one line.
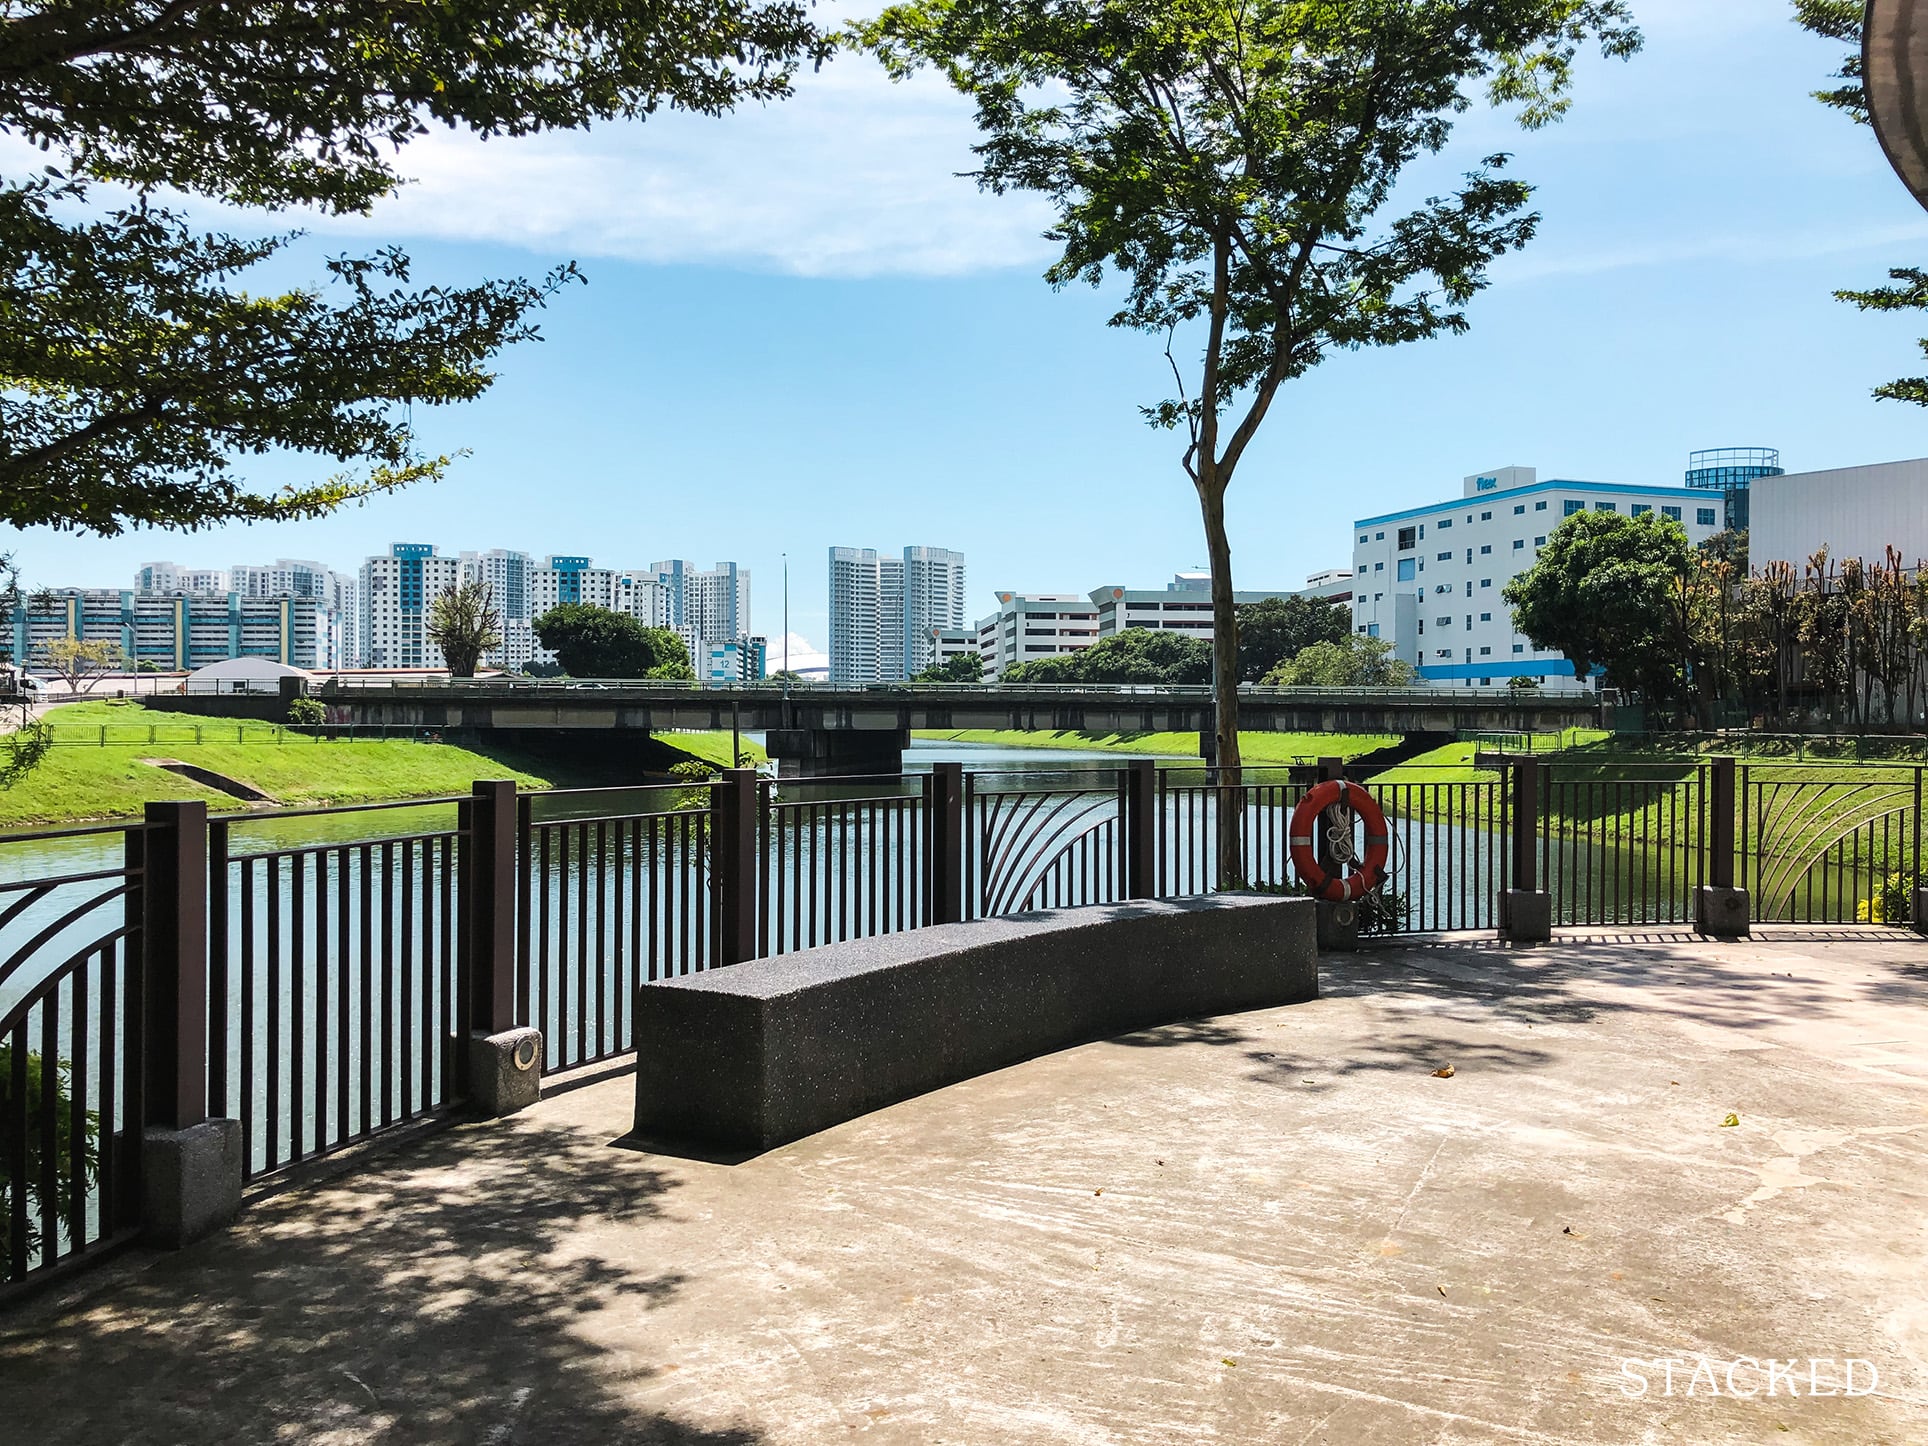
{"points": [[1256, 747]]}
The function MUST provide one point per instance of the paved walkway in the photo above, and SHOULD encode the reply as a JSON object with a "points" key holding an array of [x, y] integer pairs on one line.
{"points": [[1277, 1227]]}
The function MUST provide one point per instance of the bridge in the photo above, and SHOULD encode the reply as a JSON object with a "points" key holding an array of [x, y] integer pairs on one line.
{"points": [[815, 730]]}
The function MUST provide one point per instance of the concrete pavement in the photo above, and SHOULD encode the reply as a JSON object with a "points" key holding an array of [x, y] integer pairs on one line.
{"points": [[1284, 1226]]}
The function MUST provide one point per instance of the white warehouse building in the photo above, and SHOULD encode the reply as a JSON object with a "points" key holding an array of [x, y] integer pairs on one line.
{"points": [[1851, 511], [1429, 578]]}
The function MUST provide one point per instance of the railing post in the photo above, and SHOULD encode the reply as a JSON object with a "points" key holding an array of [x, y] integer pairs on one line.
{"points": [[733, 864], [502, 1058], [1140, 779], [944, 844], [190, 1165], [1525, 909], [1721, 909], [1338, 923]]}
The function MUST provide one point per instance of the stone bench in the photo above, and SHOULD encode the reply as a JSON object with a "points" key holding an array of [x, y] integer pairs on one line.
{"points": [[758, 1054]]}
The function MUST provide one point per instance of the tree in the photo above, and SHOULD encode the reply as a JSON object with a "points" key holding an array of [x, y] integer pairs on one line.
{"points": [[1233, 162], [1137, 655], [1277, 628], [595, 642], [1842, 20], [1350, 662], [958, 668], [134, 366], [1599, 594], [464, 624], [81, 663]]}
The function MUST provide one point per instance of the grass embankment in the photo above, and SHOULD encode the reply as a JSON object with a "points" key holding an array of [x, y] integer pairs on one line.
{"points": [[99, 768], [1256, 747]]}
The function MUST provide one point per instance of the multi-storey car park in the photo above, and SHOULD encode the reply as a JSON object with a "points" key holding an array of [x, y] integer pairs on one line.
{"points": [[1429, 579]]}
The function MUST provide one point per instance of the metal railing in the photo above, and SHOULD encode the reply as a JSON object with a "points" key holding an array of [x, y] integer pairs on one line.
{"points": [[316, 974]]}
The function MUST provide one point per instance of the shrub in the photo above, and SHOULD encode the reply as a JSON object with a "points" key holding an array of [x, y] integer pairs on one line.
{"points": [[306, 712]]}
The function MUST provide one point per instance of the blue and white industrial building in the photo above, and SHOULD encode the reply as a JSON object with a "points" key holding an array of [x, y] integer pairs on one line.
{"points": [[1429, 579]]}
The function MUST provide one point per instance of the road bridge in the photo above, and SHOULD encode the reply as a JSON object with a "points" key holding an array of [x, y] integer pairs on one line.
{"points": [[815, 730]]}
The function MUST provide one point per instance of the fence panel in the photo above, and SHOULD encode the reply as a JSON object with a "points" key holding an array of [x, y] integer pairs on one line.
{"points": [[614, 891], [1817, 849], [843, 859], [1451, 851], [1033, 842], [332, 993], [70, 1048], [1624, 845]]}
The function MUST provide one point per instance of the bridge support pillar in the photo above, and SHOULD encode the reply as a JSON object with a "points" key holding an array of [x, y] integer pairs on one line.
{"points": [[836, 752]]}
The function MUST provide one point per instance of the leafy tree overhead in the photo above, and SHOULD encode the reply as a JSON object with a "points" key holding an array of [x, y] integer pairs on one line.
{"points": [[596, 642], [1350, 662], [1842, 20], [959, 668], [1275, 629], [1137, 655], [134, 365], [1600, 595], [1235, 163], [464, 623]]}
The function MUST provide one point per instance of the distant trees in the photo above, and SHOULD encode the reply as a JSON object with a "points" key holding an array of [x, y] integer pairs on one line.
{"points": [[960, 668], [1350, 661], [1277, 629], [464, 623], [597, 642], [81, 663], [1602, 594], [1137, 655]]}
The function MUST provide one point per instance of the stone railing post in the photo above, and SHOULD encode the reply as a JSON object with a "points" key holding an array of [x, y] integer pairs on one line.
{"points": [[1525, 909], [733, 864], [1721, 909], [191, 1165], [501, 1056], [1139, 784], [944, 844]]}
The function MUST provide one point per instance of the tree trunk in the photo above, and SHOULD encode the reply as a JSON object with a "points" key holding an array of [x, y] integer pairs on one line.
{"points": [[1231, 795]]}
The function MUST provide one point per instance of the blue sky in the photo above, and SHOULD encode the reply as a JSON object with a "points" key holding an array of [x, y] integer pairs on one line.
{"points": [[801, 329]]}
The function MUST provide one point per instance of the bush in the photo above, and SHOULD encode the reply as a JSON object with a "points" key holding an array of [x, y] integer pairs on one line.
{"points": [[306, 712]]}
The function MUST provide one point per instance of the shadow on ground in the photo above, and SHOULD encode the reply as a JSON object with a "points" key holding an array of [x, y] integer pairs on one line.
{"points": [[435, 1301]]}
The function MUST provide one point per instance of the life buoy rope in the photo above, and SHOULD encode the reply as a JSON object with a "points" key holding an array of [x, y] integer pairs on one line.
{"points": [[1367, 870]]}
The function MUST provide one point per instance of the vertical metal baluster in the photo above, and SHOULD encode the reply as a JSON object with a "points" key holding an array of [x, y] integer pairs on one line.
{"points": [[273, 1006], [297, 1002]]}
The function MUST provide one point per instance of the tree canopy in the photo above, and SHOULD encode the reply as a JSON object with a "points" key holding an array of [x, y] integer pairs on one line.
{"points": [[959, 668], [1234, 164], [1275, 629], [1600, 594], [1349, 661], [1137, 655], [1842, 20], [135, 367], [464, 623], [598, 642]]}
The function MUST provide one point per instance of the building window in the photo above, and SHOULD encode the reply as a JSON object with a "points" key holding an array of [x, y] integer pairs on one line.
{"points": [[1362, 537], [1442, 622], [1444, 557], [1704, 516], [1539, 542], [1362, 569], [1606, 507], [1573, 507], [1486, 549], [1444, 653], [1518, 648], [1640, 509], [1406, 569], [1372, 630], [1486, 617], [1673, 512], [1408, 538], [1379, 567], [1486, 582], [1379, 537], [1539, 507], [1518, 543], [1486, 652], [1519, 510], [1444, 523]]}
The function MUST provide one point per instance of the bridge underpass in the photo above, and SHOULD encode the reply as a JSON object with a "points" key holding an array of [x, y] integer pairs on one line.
{"points": [[830, 731]]}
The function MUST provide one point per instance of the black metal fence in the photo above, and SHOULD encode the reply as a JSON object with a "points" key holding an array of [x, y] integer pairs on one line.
{"points": [[315, 973]]}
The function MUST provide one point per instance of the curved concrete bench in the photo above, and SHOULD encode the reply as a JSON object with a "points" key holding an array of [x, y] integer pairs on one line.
{"points": [[761, 1053]]}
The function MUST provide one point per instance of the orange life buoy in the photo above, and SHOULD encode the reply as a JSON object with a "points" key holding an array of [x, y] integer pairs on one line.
{"points": [[1368, 870]]}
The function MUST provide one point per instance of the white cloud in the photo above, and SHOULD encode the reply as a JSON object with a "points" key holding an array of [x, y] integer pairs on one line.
{"points": [[853, 176], [1741, 247]]}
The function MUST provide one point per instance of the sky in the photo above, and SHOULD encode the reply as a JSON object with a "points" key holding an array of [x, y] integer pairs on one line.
{"points": [[803, 329]]}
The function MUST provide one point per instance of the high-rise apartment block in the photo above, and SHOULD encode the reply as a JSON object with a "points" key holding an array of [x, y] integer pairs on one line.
{"points": [[336, 616], [885, 611], [173, 631], [396, 592]]}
